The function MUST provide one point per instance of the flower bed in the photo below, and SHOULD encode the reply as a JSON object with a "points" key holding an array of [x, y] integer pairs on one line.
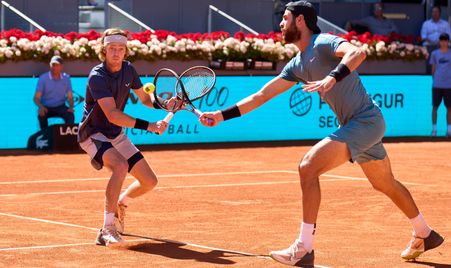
{"points": [[392, 47], [16, 45]]}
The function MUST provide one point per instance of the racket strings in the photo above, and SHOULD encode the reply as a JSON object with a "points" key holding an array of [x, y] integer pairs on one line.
{"points": [[165, 83], [197, 83]]}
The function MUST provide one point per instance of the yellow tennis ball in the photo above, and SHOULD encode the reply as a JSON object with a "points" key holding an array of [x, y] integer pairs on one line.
{"points": [[149, 88]]}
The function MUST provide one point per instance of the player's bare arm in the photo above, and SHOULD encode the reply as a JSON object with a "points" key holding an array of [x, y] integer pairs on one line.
{"points": [[271, 89], [352, 57], [119, 118]]}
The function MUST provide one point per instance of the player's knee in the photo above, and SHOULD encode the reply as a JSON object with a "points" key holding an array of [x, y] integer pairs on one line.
{"points": [[149, 183], [306, 172], [385, 188]]}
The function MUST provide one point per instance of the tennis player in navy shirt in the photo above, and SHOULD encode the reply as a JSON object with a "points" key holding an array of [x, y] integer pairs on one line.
{"points": [[101, 132]]}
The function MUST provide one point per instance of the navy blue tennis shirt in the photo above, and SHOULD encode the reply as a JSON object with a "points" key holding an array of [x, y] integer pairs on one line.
{"points": [[101, 84]]}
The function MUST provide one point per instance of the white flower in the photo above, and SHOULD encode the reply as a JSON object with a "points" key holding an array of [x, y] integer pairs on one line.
{"points": [[8, 53]]}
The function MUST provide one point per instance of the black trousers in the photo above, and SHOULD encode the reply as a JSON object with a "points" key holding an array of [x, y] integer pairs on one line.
{"points": [[59, 111]]}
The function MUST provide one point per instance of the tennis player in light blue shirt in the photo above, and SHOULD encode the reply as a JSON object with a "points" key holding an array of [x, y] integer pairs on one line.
{"points": [[326, 64]]}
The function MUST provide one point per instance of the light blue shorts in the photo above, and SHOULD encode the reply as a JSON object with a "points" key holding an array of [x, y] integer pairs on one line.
{"points": [[363, 134]]}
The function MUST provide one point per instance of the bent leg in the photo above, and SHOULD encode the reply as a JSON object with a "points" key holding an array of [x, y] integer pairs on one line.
{"points": [[146, 179], [380, 175], [322, 157]]}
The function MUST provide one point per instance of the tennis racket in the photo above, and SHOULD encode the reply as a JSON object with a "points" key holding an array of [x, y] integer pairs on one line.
{"points": [[192, 84], [166, 82]]}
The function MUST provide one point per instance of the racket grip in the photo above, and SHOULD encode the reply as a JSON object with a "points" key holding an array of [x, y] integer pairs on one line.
{"points": [[197, 112], [168, 117]]}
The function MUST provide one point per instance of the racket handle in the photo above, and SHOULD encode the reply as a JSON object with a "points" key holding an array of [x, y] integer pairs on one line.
{"points": [[168, 117], [197, 112]]}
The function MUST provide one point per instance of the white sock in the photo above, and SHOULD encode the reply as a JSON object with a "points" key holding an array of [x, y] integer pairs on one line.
{"points": [[108, 219], [420, 226], [306, 235], [124, 199], [434, 127]]}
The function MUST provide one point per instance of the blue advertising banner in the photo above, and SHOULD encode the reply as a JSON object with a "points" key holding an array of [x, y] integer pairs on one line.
{"points": [[294, 115]]}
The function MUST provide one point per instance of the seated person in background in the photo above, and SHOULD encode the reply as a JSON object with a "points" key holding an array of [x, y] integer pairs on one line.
{"points": [[53, 89], [376, 24], [432, 28]]}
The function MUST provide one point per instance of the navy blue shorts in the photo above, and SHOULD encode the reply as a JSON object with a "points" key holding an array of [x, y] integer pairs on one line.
{"points": [[441, 93]]}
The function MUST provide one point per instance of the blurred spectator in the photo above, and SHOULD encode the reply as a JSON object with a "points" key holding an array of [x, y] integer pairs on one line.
{"points": [[279, 9], [375, 24], [432, 28], [92, 2], [441, 86], [53, 88]]}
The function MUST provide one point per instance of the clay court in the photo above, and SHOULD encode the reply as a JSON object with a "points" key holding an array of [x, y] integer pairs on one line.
{"points": [[218, 207]]}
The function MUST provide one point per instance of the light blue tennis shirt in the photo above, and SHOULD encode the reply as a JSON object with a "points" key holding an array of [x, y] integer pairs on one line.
{"points": [[53, 91], [442, 62], [348, 98]]}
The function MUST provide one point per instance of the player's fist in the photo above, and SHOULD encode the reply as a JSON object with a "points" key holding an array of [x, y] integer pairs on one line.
{"points": [[211, 119], [174, 104], [158, 127]]}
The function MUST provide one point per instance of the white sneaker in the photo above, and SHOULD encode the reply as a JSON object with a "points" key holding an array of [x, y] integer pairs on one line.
{"points": [[418, 246], [119, 218], [295, 255], [108, 236]]}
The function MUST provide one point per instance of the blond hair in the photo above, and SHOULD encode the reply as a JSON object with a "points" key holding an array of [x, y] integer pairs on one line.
{"points": [[108, 32]]}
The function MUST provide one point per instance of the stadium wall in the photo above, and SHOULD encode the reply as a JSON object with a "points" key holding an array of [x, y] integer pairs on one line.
{"points": [[82, 68], [294, 115]]}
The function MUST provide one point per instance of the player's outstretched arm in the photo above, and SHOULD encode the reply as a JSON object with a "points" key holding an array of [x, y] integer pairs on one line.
{"points": [[352, 57], [121, 119], [271, 89]]}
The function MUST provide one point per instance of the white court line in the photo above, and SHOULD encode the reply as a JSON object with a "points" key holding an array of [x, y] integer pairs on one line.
{"points": [[61, 245], [159, 176], [198, 175], [133, 240], [174, 187], [47, 221], [338, 178]]}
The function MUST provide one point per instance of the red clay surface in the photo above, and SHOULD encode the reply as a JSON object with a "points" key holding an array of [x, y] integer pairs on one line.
{"points": [[229, 207]]}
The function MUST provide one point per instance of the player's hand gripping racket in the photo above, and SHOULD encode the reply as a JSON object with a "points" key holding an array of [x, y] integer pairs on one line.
{"points": [[193, 84], [165, 89]]}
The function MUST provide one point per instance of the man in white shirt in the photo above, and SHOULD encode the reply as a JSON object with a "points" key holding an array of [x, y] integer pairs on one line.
{"points": [[432, 28]]}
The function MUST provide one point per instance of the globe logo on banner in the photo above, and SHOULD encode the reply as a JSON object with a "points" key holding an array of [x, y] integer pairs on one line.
{"points": [[300, 102]]}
